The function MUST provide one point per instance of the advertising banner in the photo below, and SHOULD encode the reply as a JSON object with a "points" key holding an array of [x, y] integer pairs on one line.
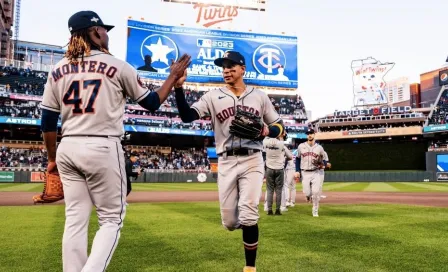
{"points": [[435, 128], [134, 128], [37, 177], [443, 77], [441, 176], [6, 176], [271, 60], [373, 111], [368, 81], [364, 132]]}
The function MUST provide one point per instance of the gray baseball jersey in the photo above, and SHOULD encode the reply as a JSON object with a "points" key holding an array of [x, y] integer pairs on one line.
{"points": [[308, 154], [90, 96], [326, 156], [275, 153], [221, 105], [291, 164]]}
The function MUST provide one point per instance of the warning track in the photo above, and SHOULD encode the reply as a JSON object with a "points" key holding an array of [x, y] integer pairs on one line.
{"points": [[422, 199]]}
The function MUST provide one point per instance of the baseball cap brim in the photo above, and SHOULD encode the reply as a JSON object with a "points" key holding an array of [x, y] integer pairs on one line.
{"points": [[220, 61], [108, 27]]}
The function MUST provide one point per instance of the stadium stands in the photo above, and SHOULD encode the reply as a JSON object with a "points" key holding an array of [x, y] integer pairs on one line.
{"points": [[31, 156], [29, 82], [440, 113]]}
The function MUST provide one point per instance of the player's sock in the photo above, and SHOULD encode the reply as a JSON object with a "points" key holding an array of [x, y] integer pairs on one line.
{"points": [[250, 241]]}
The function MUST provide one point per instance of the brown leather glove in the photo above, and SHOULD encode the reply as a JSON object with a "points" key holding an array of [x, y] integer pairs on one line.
{"points": [[53, 189]]}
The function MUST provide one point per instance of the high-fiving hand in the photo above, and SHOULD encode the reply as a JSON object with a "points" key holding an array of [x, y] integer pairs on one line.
{"points": [[178, 69]]}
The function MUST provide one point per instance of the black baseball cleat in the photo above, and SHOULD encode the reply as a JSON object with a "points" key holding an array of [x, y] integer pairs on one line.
{"points": [[270, 212], [277, 212]]}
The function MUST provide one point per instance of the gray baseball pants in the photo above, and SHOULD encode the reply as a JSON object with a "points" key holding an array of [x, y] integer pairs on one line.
{"points": [[274, 183]]}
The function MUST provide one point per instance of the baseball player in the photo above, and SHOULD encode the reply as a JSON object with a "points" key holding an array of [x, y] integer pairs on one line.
{"points": [[240, 162], [290, 181], [88, 88], [322, 172], [307, 165], [275, 163]]}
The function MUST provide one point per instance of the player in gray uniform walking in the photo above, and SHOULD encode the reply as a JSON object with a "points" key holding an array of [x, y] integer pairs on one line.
{"points": [[240, 162], [322, 172], [308, 163], [290, 183], [275, 164], [88, 88]]}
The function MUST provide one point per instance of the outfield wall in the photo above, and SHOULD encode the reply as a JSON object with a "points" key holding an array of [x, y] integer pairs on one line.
{"points": [[159, 177]]}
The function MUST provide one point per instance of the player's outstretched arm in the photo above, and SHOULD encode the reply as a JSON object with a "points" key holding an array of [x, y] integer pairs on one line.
{"points": [[151, 101], [187, 114]]}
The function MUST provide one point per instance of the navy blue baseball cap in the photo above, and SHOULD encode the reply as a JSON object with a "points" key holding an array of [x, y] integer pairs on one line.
{"points": [[232, 56], [85, 19], [309, 131]]}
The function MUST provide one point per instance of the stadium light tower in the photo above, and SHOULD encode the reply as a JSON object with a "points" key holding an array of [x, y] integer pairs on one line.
{"points": [[16, 28]]}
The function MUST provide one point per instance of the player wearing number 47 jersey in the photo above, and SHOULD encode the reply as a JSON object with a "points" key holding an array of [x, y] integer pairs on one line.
{"points": [[88, 88], [240, 162]]}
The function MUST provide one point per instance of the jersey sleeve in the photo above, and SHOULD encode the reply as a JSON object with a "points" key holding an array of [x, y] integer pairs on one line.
{"points": [[132, 84], [298, 151], [202, 106], [288, 153], [325, 157], [49, 100], [270, 115]]}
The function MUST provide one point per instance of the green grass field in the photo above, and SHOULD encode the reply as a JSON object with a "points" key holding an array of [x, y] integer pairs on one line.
{"points": [[189, 237], [329, 186]]}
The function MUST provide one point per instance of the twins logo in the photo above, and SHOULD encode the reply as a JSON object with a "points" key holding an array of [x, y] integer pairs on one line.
{"points": [[157, 51], [268, 57], [230, 111]]}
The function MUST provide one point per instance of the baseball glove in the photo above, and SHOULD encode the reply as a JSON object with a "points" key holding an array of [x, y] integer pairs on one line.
{"points": [[319, 163], [247, 125], [53, 190]]}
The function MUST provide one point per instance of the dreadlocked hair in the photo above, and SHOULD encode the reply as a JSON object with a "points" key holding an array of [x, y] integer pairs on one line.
{"points": [[81, 44]]}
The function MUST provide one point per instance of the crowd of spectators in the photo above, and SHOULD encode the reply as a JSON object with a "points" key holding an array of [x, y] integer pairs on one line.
{"points": [[183, 160], [34, 84], [440, 113], [20, 108], [23, 157], [439, 145], [290, 105], [149, 160]]}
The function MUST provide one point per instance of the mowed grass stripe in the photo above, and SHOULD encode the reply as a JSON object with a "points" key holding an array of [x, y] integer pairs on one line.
{"points": [[427, 186], [380, 187], [403, 187], [336, 185], [353, 187], [23, 187]]}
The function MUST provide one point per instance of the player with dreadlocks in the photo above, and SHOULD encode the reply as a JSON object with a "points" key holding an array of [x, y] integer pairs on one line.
{"points": [[88, 88]]}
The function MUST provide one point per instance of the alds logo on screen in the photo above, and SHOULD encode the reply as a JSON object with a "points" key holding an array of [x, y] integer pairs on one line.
{"points": [[209, 15]]}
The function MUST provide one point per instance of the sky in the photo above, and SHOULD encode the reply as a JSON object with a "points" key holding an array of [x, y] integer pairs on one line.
{"points": [[411, 34]]}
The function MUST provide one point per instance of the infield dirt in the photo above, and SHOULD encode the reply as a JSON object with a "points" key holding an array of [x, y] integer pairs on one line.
{"points": [[422, 199]]}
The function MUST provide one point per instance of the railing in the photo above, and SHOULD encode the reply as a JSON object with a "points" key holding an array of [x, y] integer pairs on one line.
{"points": [[23, 169], [40, 67]]}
